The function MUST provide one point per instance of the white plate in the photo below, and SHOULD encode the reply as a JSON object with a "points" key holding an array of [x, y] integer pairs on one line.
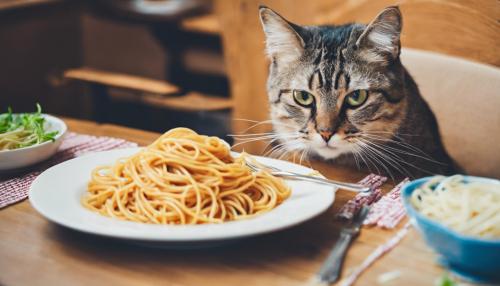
{"points": [[56, 194], [23, 157]]}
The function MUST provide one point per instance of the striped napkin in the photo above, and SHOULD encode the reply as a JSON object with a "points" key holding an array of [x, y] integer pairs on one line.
{"points": [[385, 211], [15, 189], [389, 210], [354, 205]]}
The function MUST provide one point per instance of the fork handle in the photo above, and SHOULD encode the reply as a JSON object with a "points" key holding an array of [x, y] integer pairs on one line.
{"points": [[330, 271], [346, 186]]}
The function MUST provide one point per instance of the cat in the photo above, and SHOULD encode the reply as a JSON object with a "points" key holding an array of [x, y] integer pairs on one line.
{"points": [[341, 93]]}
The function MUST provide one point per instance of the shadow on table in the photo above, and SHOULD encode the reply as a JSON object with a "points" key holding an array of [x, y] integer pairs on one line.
{"points": [[302, 242]]}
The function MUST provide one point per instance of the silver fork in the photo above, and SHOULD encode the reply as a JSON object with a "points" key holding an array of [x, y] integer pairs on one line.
{"points": [[296, 176], [330, 271]]}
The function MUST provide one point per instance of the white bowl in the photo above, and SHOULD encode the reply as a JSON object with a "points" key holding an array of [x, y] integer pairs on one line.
{"points": [[23, 157]]}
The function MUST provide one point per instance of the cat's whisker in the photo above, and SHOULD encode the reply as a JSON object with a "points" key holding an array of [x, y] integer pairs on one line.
{"points": [[258, 123], [274, 149], [389, 153], [302, 155], [261, 134], [393, 161], [355, 153], [256, 138], [250, 134], [362, 158], [280, 152], [292, 147], [308, 151], [392, 133], [406, 152], [377, 158], [243, 136], [365, 151], [267, 137], [368, 158], [400, 143], [384, 158], [283, 154], [247, 141], [293, 140], [402, 140], [269, 144]]}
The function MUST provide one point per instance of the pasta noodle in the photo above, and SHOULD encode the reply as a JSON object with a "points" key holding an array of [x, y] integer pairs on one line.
{"points": [[183, 178], [471, 208]]}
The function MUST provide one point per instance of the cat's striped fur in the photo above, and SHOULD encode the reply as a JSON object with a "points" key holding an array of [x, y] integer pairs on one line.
{"points": [[393, 131]]}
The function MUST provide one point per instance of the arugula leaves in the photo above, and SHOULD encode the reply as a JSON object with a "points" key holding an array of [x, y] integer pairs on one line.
{"points": [[446, 280], [30, 124]]}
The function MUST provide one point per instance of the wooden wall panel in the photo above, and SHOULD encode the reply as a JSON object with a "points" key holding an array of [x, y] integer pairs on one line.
{"points": [[464, 28], [243, 42], [37, 42]]}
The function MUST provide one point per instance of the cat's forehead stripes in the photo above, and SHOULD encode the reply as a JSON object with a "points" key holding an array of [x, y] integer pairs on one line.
{"points": [[316, 80], [329, 60]]}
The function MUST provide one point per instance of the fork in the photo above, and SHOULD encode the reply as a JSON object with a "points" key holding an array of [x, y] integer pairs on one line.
{"points": [[330, 271], [296, 176]]}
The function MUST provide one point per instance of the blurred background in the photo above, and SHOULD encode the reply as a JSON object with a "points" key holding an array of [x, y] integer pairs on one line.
{"points": [[116, 61], [157, 64]]}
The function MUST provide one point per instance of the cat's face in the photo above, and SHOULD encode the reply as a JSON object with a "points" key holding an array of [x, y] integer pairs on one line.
{"points": [[330, 87]]}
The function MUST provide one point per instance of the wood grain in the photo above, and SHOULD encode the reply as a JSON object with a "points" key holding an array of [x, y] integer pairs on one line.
{"points": [[14, 4], [192, 101], [124, 81], [207, 24], [464, 28], [156, 93], [36, 252]]}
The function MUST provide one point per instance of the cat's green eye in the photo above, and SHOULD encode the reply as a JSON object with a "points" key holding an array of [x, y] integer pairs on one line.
{"points": [[357, 97], [303, 97]]}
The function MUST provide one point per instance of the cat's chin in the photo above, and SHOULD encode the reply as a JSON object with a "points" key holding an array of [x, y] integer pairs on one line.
{"points": [[330, 152]]}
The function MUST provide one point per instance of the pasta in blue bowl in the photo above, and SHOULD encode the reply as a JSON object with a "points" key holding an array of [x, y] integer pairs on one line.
{"points": [[459, 217]]}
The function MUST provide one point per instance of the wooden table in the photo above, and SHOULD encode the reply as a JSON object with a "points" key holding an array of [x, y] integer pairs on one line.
{"points": [[36, 252]]}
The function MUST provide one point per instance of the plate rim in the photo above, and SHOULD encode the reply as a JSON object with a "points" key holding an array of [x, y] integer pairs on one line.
{"points": [[144, 237]]}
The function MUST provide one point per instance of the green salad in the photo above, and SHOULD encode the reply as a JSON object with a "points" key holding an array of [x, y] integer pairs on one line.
{"points": [[23, 129]]}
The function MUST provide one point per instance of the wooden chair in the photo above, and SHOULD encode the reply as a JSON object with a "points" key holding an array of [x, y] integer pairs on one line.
{"points": [[460, 92]]}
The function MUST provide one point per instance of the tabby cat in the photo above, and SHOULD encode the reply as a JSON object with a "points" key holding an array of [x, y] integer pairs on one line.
{"points": [[341, 93]]}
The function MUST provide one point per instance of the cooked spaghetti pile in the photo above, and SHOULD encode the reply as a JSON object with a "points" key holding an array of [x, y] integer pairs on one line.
{"points": [[183, 178], [469, 207]]}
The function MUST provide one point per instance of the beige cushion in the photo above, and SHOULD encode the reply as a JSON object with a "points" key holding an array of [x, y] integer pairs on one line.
{"points": [[465, 96]]}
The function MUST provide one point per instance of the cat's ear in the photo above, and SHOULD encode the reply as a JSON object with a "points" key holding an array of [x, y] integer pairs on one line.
{"points": [[283, 41], [380, 42]]}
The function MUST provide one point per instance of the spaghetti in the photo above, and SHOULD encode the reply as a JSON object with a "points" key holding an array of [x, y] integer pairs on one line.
{"points": [[183, 178], [471, 208]]}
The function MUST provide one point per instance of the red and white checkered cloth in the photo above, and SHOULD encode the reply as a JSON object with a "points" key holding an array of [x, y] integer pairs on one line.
{"points": [[354, 205], [385, 212], [13, 190], [389, 210]]}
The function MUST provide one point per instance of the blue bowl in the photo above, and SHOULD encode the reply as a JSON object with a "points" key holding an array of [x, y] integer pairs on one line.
{"points": [[474, 259]]}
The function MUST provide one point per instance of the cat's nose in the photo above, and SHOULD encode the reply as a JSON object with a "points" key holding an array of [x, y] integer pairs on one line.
{"points": [[326, 134]]}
